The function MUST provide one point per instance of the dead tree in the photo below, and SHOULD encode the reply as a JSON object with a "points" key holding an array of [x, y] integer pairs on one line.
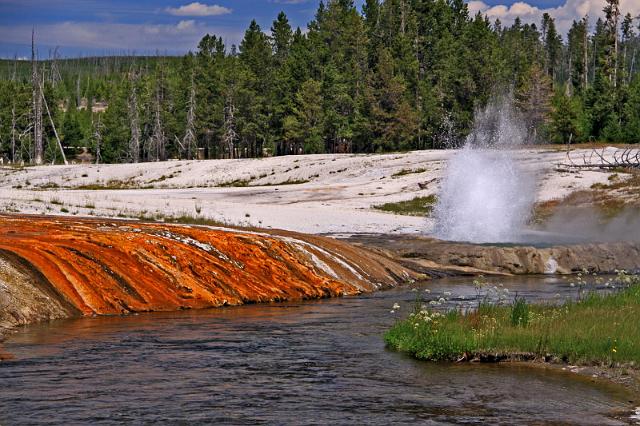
{"points": [[55, 132], [36, 99], [230, 136], [157, 140], [78, 94], [97, 137], [623, 158], [55, 70], [189, 144], [134, 121], [13, 133]]}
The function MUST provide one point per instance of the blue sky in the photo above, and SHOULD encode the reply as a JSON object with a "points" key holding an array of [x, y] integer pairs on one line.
{"points": [[172, 26]]}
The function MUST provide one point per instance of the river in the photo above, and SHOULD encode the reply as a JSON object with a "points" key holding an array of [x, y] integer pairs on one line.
{"points": [[314, 362]]}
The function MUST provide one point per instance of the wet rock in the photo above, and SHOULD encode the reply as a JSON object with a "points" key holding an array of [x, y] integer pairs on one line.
{"points": [[430, 254], [61, 267]]}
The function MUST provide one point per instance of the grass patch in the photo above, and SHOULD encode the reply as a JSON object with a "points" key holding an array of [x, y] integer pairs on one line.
{"points": [[287, 182], [238, 183], [419, 206], [599, 329], [191, 220], [48, 185], [405, 172], [113, 184], [184, 219]]}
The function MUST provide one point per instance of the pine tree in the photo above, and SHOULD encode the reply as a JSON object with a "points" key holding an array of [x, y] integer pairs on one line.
{"points": [[394, 121], [627, 37], [564, 116], [303, 129], [552, 45], [210, 62], [631, 113], [284, 87], [253, 103], [578, 54]]}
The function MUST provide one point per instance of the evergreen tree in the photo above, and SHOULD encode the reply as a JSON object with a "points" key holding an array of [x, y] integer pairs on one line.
{"points": [[564, 126], [631, 113]]}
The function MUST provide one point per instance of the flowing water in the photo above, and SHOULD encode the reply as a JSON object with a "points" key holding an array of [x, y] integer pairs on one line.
{"points": [[295, 363]]}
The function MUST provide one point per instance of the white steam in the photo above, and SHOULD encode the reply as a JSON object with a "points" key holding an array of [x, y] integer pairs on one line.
{"points": [[486, 197]]}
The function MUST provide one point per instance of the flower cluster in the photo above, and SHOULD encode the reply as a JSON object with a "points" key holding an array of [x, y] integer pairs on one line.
{"points": [[425, 317]]}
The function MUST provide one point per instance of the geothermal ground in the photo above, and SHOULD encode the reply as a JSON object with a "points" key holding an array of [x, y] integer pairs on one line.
{"points": [[88, 263], [62, 267], [318, 194]]}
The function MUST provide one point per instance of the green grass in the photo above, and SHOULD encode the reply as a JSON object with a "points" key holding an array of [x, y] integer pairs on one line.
{"points": [[597, 330], [405, 172], [113, 184], [238, 183], [184, 219], [419, 206], [287, 182]]}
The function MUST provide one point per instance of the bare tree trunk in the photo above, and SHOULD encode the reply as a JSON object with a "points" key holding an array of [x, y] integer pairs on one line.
{"points": [[586, 57], [78, 94], [157, 138], [37, 105], [55, 71], [230, 135], [134, 142], [13, 133], [97, 135], [632, 66], [570, 79], [190, 143], [615, 46], [55, 132]]}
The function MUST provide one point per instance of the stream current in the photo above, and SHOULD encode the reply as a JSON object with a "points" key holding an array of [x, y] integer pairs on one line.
{"points": [[317, 362]]}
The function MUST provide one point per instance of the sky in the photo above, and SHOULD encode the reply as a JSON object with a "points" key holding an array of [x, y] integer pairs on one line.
{"points": [[97, 27]]}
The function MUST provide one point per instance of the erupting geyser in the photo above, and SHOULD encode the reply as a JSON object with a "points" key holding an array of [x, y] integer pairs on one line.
{"points": [[486, 197]]}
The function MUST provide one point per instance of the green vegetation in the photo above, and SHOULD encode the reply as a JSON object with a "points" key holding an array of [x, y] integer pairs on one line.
{"points": [[393, 76], [238, 183], [287, 182], [405, 172], [598, 329], [113, 184], [186, 219], [419, 206]]}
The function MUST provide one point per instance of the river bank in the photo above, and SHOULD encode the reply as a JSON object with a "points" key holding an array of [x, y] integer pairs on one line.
{"points": [[594, 335]]}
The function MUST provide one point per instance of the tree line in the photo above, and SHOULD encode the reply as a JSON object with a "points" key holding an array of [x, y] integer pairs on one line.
{"points": [[396, 75]]}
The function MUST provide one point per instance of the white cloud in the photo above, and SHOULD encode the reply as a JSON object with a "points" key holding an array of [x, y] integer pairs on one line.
{"points": [[172, 38], [198, 9], [186, 25], [564, 14]]}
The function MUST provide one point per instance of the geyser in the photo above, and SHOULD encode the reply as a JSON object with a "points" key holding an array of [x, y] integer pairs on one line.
{"points": [[486, 196]]}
